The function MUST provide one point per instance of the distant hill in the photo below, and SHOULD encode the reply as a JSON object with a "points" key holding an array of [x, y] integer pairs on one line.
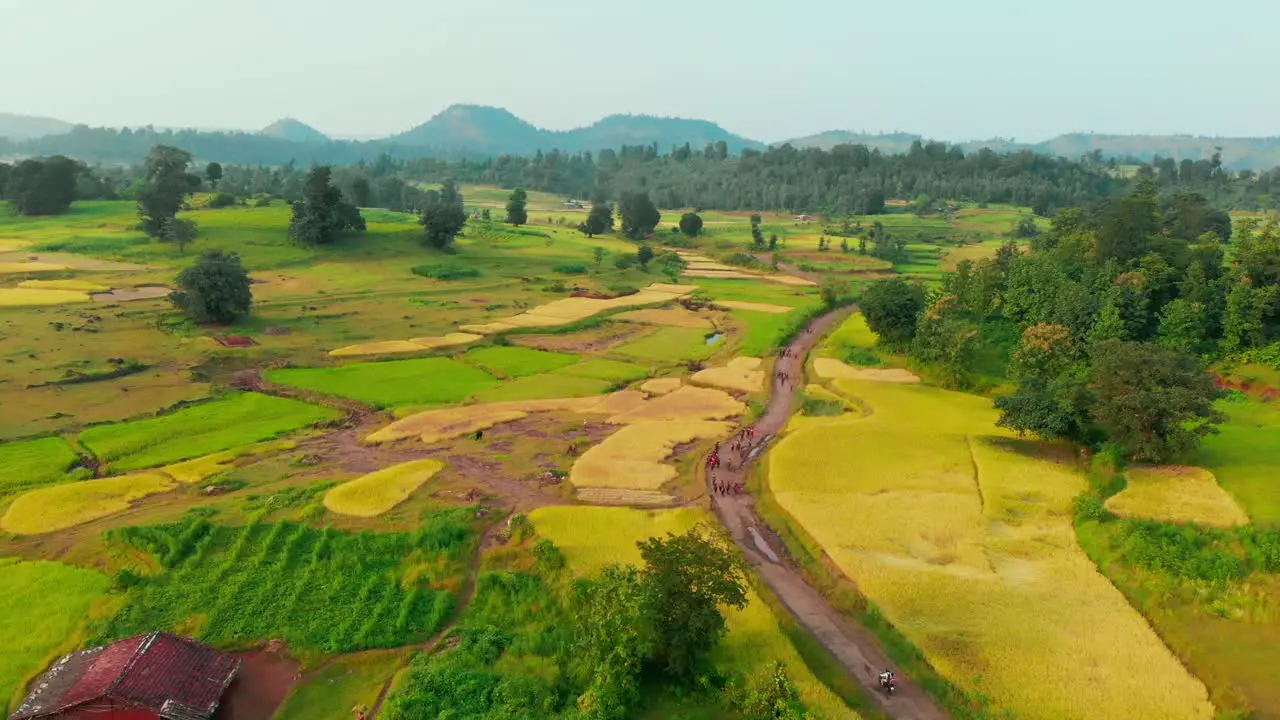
{"points": [[293, 131], [1237, 153], [24, 127], [494, 131]]}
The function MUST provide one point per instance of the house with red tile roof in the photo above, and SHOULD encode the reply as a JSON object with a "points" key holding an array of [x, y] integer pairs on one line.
{"points": [[156, 676]]}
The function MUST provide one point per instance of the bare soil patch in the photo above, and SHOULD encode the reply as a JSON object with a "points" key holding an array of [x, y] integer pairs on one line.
{"points": [[266, 676], [593, 340], [130, 294]]}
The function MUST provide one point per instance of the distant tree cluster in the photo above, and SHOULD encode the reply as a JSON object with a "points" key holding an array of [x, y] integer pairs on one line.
{"points": [[322, 213], [1117, 307], [40, 186]]}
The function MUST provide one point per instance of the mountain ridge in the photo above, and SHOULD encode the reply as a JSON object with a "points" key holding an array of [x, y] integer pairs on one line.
{"points": [[294, 131]]}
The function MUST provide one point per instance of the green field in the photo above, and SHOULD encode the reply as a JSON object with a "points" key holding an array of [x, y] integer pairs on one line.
{"points": [[392, 383], [1245, 457], [201, 429], [31, 463], [611, 370], [670, 345], [514, 362], [46, 603]]}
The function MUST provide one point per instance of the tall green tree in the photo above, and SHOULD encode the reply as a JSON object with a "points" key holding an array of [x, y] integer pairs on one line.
{"points": [[1050, 374], [892, 308], [442, 216], [321, 214], [42, 187], [167, 184], [517, 214], [691, 224], [599, 220], [361, 191], [613, 638], [213, 173], [216, 289], [691, 577], [639, 215]]}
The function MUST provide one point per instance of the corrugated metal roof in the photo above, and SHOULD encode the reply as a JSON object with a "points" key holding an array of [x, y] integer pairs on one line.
{"points": [[149, 671]]}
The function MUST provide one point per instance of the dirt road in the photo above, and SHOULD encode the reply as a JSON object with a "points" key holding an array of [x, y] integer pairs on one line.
{"points": [[851, 644]]}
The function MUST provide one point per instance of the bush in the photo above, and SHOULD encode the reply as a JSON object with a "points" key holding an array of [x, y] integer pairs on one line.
{"points": [[625, 262], [570, 268], [221, 200], [867, 357], [622, 289], [821, 407], [215, 289], [446, 271], [746, 260]]}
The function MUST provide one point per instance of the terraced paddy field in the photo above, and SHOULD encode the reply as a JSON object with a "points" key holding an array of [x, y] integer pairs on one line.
{"points": [[963, 538]]}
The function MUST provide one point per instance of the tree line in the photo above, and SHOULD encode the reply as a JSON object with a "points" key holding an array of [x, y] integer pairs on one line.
{"points": [[1114, 313]]}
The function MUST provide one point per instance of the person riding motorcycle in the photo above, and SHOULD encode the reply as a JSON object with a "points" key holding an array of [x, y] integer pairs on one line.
{"points": [[887, 680]]}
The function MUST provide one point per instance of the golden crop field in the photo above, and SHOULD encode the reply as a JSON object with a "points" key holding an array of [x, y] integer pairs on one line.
{"points": [[389, 347], [686, 403], [567, 310], [28, 297], [743, 374], [754, 306], [62, 506], [662, 386], [832, 369], [594, 537], [1176, 494], [200, 469], [433, 426], [74, 285], [962, 536], [676, 316], [376, 493], [632, 457]]}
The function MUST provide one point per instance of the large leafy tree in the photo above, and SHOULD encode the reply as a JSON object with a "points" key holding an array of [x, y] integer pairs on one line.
{"points": [[42, 187], [614, 636], [517, 207], [213, 173], [599, 220], [442, 216], [321, 214], [1050, 372], [215, 289], [1154, 404], [165, 189], [639, 215], [691, 577], [691, 224], [892, 309]]}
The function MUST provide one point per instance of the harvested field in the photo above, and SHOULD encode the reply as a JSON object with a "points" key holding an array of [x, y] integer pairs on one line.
{"points": [[662, 386], [685, 403], [74, 285], [955, 517], [62, 506], [433, 426], [594, 537], [567, 310], [29, 267], [376, 493], [675, 317], [598, 339], [27, 297], [1176, 494], [391, 347], [742, 374], [392, 383], [832, 369], [201, 429], [627, 498], [632, 457], [151, 292], [754, 306]]}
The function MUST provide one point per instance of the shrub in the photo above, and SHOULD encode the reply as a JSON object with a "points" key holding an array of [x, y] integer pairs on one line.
{"points": [[746, 260], [822, 407], [446, 271], [625, 262], [570, 268], [221, 200], [622, 289]]}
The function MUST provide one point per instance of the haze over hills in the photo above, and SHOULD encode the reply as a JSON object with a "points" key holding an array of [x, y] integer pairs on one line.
{"points": [[475, 130]]}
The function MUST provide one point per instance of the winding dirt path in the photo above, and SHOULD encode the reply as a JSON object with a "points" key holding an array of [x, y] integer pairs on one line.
{"points": [[856, 649]]}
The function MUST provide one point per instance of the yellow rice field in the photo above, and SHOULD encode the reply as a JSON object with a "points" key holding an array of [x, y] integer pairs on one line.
{"points": [[62, 506], [832, 369], [594, 537], [75, 285], [29, 297], [200, 469], [744, 374], [624, 497], [684, 404], [632, 458], [662, 386], [433, 426], [30, 267], [1176, 494], [376, 493], [675, 316], [388, 347], [962, 536], [572, 309]]}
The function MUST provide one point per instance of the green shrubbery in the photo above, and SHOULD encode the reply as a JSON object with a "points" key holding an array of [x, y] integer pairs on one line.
{"points": [[570, 268], [446, 271]]}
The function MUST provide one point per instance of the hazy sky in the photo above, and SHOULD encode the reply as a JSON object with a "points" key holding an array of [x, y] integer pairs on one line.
{"points": [[951, 69]]}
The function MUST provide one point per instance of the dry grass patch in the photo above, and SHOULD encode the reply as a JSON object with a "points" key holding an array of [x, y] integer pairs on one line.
{"points": [[678, 317], [63, 506], [662, 386], [150, 292], [832, 369], [632, 458], [1178, 494], [376, 493], [684, 403], [743, 374], [74, 285], [390, 347], [28, 297], [754, 306], [624, 497], [963, 537]]}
